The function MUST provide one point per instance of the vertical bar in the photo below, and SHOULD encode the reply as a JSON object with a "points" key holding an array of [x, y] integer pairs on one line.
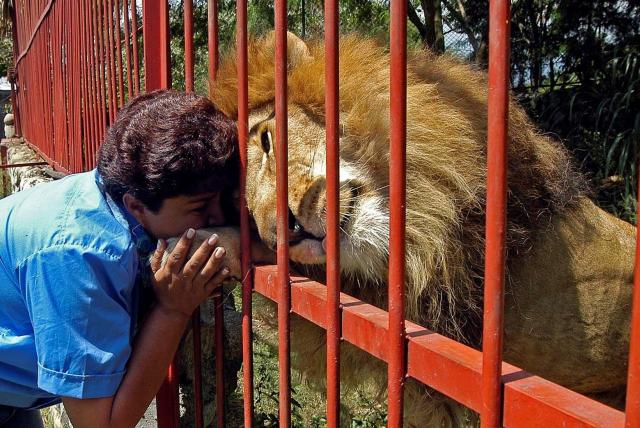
{"points": [[111, 75], [247, 280], [134, 38], [85, 157], [95, 99], [100, 55], [119, 53], [127, 46], [155, 31], [14, 81], [218, 311], [333, 207], [197, 366], [397, 199], [498, 114], [282, 210], [155, 16], [212, 32], [632, 419], [188, 45], [218, 303], [4, 159], [188, 73]]}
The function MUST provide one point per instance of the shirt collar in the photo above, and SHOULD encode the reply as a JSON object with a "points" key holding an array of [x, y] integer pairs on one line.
{"points": [[145, 244]]}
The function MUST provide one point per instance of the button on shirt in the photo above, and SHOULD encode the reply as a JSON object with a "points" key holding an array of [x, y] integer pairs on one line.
{"points": [[69, 260]]}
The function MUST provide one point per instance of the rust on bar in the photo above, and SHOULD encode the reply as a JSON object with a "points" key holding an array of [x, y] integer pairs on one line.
{"points": [[333, 207], [397, 218], [498, 114]]}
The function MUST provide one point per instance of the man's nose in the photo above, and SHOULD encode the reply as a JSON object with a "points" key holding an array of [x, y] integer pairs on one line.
{"points": [[215, 213]]}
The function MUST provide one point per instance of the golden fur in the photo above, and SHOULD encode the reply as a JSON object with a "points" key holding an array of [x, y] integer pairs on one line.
{"points": [[446, 174]]}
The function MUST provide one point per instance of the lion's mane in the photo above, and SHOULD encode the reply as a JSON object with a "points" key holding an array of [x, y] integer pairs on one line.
{"points": [[446, 165]]}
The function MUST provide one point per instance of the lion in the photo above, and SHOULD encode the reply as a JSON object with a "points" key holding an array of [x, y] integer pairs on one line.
{"points": [[569, 264]]}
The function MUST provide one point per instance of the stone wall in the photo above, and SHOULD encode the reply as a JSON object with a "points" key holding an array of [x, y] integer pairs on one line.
{"points": [[24, 177]]}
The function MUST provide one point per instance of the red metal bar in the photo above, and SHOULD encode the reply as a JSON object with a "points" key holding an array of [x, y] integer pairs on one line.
{"points": [[111, 75], [333, 211], [59, 99], [282, 210], [633, 382], [15, 108], [188, 45], [212, 33], [119, 53], [94, 97], [218, 305], [4, 159], [155, 24], [397, 201], [4, 165], [35, 31], [155, 15], [498, 115], [100, 56], [134, 38], [127, 47], [86, 154], [197, 366], [247, 279], [442, 363], [188, 72]]}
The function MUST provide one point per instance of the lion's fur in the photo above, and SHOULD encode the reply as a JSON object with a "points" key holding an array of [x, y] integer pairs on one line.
{"points": [[446, 175], [446, 134]]}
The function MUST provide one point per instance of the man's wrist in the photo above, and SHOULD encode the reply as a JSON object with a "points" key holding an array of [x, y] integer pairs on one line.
{"points": [[173, 314]]}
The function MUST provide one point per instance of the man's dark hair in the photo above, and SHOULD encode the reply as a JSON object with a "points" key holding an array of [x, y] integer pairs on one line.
{"points": [[167, 143]]}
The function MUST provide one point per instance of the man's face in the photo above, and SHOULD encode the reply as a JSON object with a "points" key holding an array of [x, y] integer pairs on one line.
{"points": [[179, 213]]}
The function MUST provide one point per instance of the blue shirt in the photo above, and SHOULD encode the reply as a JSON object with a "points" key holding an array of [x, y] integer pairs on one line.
{"points": [[68, 266]]}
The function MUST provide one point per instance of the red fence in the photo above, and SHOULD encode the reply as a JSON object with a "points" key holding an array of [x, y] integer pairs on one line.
{"points": [[74, 60]]}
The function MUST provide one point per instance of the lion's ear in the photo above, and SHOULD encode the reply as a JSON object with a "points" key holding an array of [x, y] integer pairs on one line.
{"points": [[297, 50]]}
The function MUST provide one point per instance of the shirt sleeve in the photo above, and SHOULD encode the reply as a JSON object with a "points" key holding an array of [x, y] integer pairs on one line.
{"points": [[80, 304]]}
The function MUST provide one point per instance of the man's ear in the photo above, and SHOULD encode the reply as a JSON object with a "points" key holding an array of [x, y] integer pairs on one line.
{"points": [[134, 206]]}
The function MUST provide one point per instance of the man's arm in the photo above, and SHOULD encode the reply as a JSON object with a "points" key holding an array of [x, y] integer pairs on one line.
{"points": [[179, 292], [152, 353]]}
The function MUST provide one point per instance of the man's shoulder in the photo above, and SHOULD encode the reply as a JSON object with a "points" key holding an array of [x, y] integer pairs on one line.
{"points": [[71, 212]]}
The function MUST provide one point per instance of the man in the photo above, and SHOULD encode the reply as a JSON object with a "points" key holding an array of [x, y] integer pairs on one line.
{"points": [[72, 253]]}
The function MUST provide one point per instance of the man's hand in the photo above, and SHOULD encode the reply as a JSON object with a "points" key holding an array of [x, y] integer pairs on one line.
{"points": [[181, 286]]}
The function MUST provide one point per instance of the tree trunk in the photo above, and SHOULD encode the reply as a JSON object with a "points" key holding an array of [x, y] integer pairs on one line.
{"points": [[434, 36]]}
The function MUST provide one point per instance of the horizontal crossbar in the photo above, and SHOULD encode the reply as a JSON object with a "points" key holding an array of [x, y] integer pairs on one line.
{"points": [[444, 364]]}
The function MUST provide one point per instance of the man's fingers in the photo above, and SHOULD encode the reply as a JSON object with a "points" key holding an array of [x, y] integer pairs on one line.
{"points": [[156, 258], [212, 266], [179, 254], [217, 280], [200, 257]]}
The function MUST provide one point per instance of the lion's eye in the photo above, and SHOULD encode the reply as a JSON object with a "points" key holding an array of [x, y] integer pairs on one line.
{"points": [[265, 138]]}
